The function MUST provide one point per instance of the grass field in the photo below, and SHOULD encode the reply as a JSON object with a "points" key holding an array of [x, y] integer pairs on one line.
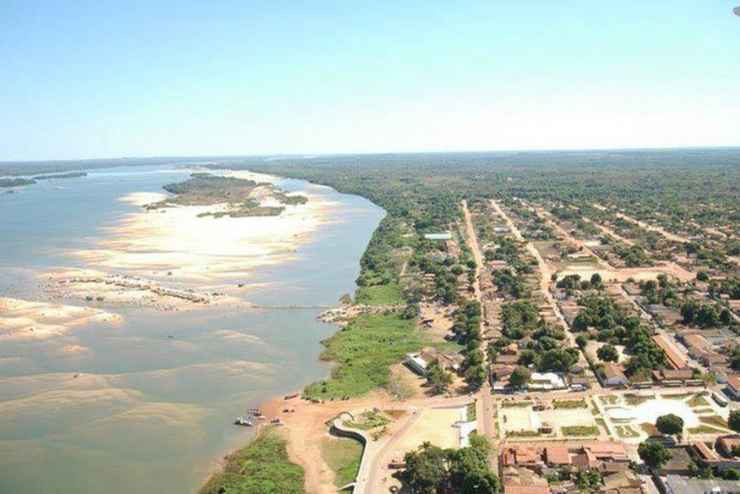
{"points": [[343, 456], [260, 468], [389, 294], [569, 404], [580, 430], [364, 350]]}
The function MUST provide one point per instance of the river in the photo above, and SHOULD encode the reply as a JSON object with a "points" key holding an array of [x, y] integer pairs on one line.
{"points": [[147, 405]]}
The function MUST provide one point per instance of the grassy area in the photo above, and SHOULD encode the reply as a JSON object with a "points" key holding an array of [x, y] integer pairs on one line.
{"points": [[389, 294], [522, 434], [626, 431], [260, 468], [472, 412], [698, 401], [705, 429], [364, 350], [649, 429], [515, 404], [343, 456], [635, 400], [714, 420], [569, 404], [580, 430], [678, 396], [609, 399], [369, 420]]}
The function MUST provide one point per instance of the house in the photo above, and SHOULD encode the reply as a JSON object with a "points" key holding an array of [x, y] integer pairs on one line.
{"points": [[521, 456], [546, 381], [624, 482], [557, 456], [680, 462], [438, 236], [733, 386], [706, 456], [677, 484], [728, 445], [676, 377], [526, 489], [419, 362], [676, 358], [613, 375]]}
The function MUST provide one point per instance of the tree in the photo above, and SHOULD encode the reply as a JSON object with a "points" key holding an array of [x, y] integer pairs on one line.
{"points": [[654, 454], [608, 353], [438, 378], [670, 424], [734, 420], [519, 377], [426, 469], [475, 376], [581, 340], [702, 276], [596, 280]]}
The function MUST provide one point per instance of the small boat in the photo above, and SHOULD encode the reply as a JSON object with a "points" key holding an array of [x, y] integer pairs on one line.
{"points": [[255, 411], [276, 421], [243, 422]]}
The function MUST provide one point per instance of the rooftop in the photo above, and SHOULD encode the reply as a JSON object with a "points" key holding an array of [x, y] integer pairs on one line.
{"points": [[684, 485]]}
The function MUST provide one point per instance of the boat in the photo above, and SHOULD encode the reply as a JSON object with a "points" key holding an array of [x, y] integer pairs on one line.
{"points": [[243, 422]]}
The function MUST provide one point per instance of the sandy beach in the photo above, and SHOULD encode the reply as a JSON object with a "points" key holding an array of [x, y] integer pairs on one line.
{"points": [[22, 320]]}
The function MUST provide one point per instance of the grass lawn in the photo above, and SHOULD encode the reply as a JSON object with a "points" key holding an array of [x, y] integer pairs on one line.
{"points": [[260, 468], [714, 420], [705, 429], [635, 400], [369, 420], [389, 294], [626, 431], [569, 404], [649, 429], [364, 350], [515, 404], [343, 456], [580, 430], [698, 401]]}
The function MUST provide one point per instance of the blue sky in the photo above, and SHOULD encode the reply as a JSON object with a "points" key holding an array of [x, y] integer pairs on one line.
{"points": [[124, 78]]}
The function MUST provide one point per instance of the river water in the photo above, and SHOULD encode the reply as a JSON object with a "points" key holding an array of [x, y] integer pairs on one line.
{"points": [[151, 406]]}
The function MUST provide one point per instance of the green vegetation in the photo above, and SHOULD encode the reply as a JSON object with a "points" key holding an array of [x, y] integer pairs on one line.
{"points": [[15, 182], [203, 189], [364, 350], [635, 400], [626, 431], [431, 469], [669, 424], [371, 419], [262, 467], [697, 401], [389, 294], [516, 404], [654, 454], [580, 430], [569, 404], [343, 456], [715, 420], [734, 420]]}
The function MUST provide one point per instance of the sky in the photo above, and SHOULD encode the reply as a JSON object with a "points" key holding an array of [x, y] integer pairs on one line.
{"points": [[103, 79]]}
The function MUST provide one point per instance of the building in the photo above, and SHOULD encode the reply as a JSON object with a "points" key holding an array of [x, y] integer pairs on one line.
{"points": [[675, 484], [613, 375], [675, 357], [727, 445], [546, 381], [438, 236], [733, 386], [419, 362], [680, 462]]}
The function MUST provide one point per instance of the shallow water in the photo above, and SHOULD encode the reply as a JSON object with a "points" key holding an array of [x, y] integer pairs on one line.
{"points": [[151, 407]]}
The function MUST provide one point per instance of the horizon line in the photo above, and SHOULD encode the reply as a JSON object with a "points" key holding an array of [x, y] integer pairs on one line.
{"points": [[376, 153]]}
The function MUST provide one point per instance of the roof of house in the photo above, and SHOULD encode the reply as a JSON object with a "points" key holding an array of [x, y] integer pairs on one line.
{"points": [[685, 485], [729, 442], [609, 449], [705, 452], [696, 340], [519, 455], [557, 455], [675, 357], [526, 489], [613, 371], [677, 374], [734, 382]]}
